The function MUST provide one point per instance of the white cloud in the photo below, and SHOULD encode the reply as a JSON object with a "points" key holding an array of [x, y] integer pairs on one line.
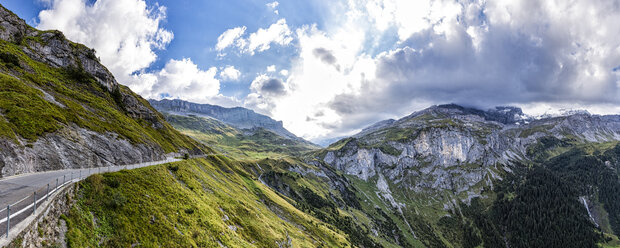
{"points": [[179, 79], [314, 81], [259, 41], [271, 68], [229, 37], [551, 53], [230, 73], [284, 72], [273, 4], [124, 33]]}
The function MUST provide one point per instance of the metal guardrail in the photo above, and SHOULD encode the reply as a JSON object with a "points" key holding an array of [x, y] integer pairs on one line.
{"points": [[18, 211]]}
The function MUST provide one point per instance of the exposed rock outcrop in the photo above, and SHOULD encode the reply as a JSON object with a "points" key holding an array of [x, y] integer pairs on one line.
{"points": [[52, 48], [73, 147]]}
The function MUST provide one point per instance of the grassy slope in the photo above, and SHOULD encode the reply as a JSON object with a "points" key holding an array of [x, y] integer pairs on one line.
{"points": [[25, 112], [192, 203], [254, 144]]}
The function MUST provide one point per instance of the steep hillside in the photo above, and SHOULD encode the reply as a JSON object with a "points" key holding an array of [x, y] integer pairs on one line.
{"points": [[60, 108], [252, 143], [238, 117]]}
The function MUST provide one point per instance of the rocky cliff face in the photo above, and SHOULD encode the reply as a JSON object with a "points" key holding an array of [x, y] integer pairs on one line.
{"points": [[74, 147], [86, 118], [237, 117], [456, 149]]}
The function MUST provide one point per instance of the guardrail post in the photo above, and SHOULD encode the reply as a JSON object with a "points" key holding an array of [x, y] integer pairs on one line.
{"points": [[34, 209], [8, 220], [48, 191], [56, 183], [64, 179], [71, 176], [80, 174]]}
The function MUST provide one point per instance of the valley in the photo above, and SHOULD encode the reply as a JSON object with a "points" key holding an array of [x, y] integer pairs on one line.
{"points": [[444, 176]]}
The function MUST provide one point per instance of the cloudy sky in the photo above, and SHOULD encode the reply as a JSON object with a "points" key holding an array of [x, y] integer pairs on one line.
{"points": [[330, 67]]}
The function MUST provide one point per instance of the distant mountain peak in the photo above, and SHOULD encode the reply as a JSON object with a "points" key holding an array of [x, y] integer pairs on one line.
{"points": [[238, 117], [562, 112], [501, 114]]}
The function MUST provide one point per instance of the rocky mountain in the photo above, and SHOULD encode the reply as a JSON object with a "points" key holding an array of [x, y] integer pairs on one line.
{"points": [[60, 108], [434, 165], [450, 135], [237, 117], [252, 143]]}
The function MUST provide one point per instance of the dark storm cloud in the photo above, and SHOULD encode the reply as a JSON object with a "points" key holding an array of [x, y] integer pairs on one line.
{"points": [[506, 68]]}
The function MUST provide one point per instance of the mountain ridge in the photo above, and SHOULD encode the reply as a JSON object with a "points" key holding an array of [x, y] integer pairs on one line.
{"points": [[238, 117]]}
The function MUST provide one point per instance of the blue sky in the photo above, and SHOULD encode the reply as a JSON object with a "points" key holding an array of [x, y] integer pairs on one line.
{"points": [[329, 68], [197, 24]]}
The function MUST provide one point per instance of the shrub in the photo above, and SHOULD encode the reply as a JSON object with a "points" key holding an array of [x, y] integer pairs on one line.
{"points": [[96, 184], [118, 97], [173, 168], [117, 200], [78, 74], [10, 59], [112, 182], [91, 55]]}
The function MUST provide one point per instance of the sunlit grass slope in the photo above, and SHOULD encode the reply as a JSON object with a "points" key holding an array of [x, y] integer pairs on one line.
{"points": [[193, 203]]}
